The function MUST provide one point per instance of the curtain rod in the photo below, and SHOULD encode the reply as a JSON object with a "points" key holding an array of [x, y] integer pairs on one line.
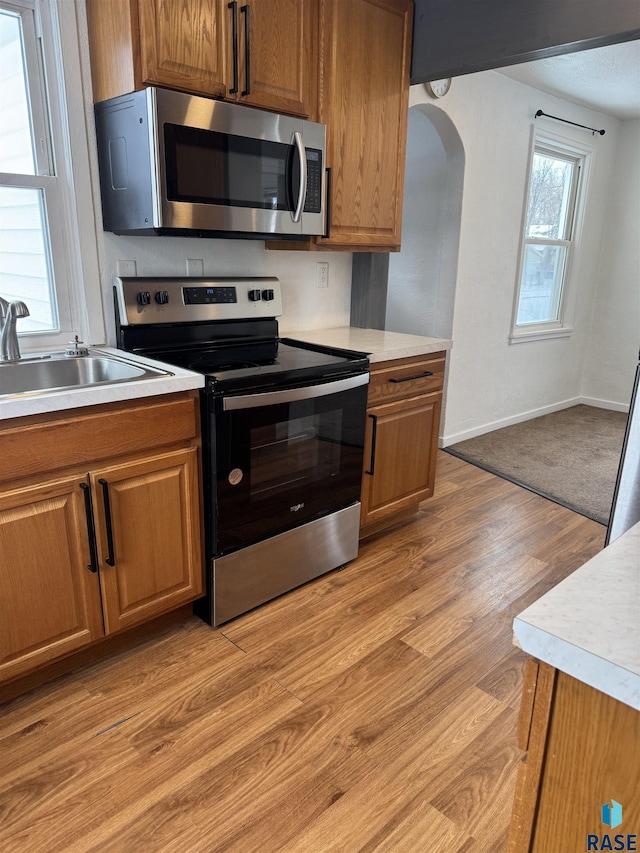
{"points": [[566, 121]]}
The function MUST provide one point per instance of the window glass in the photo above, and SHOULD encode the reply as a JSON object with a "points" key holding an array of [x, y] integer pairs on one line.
{"points": [[25, 258], [16, 148], [549, 193], [541, 284], [26, 268], [553, 195]]}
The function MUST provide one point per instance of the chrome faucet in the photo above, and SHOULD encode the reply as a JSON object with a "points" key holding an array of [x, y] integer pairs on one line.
{"points": [[9, 313], [4, 309]]}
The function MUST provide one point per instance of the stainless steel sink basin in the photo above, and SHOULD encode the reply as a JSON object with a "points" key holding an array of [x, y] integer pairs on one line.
{"points": [[58, 372]]}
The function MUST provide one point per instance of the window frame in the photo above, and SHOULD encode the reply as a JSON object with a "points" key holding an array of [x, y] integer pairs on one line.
{"points": [[63, 172], [554, 144]]}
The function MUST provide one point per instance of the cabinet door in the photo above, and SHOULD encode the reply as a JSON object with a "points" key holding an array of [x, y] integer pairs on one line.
{"points": [[148, 537], [186, 46], [49, 600], [278, 62], [363, 99], [400, 450]]}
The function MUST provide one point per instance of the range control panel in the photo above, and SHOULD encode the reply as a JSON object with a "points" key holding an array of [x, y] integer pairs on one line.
{"points": [[209, 295], [178, 300]]}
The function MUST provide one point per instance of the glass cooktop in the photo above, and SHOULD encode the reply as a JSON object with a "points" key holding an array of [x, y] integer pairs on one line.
{"points": [[262, 364]]}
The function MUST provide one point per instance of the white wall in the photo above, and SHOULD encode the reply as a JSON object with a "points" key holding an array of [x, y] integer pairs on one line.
{"points": [[415, 272], [422, 276], [492, 383], [612, 353], [305, 306]]}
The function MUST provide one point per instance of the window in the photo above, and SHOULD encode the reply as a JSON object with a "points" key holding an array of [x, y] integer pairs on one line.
{"points": [[554, 200], [41, 239]]}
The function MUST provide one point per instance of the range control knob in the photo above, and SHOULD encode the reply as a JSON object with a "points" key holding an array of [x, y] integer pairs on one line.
{"points": [[254, 296], [268, 295], [143, 297], [162, 297]]}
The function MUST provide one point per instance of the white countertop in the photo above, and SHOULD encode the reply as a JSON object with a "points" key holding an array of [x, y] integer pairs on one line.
{"points": [[379, 345], [588, 626], [176, 379]]}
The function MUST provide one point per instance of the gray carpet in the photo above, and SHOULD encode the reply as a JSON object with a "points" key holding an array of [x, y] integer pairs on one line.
{"points": [[570, 457]]}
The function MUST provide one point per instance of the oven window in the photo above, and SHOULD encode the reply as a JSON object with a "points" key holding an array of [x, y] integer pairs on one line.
{"points": [[208, 167], [281, 465], [302, 450]]}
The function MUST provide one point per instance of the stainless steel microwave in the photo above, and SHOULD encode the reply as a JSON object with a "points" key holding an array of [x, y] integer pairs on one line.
{"points": [[172, 163]]}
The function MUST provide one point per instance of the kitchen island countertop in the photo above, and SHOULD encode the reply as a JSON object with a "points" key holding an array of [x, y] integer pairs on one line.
{"points": [[587, 626], [377, 344]]}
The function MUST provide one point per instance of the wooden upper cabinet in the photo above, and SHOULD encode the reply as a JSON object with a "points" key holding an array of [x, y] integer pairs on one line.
{"points": [[261, 53], [363, 99], [49, 600], [184, 45], [148, 536], [281, 49]]}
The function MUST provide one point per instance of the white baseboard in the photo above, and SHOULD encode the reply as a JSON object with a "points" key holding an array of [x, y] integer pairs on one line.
{"points": [[605, 404], [447, 440]]}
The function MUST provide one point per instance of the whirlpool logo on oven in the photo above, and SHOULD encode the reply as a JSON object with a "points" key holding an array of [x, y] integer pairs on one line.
{"points": [[611, 816], [296, 507]]}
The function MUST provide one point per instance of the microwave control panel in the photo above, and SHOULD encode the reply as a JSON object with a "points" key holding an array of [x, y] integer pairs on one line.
{"points": [[313, 198]]}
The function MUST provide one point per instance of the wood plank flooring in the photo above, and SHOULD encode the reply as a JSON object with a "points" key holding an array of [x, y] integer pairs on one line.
{"points": [[374, 709]]}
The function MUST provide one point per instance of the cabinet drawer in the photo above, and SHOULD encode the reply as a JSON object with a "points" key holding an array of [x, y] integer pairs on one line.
{"points": [[77, 438], [407, 377]]}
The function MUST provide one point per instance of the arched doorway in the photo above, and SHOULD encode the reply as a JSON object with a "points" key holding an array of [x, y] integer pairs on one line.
{"points": [[422, 277]]}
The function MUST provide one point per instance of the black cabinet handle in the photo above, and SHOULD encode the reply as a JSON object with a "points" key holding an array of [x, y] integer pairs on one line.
{"points": [[234, 38], [247, 50], [417, 376], [374, 436], [88, 508], [111, 560], [327, 222]]}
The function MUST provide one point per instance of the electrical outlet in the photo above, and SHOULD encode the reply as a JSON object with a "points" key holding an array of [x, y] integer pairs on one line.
{"points": [[322, 274], [126, 269], [195, 267]]}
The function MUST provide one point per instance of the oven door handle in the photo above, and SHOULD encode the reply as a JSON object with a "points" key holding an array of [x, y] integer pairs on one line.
{"points": [[290, 395]]}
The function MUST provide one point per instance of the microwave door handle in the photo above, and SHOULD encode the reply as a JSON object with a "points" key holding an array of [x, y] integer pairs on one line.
{"points": [[299, 141]]}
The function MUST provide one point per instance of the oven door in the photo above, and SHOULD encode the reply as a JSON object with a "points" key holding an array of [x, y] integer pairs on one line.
{"points": [[286, 457]]}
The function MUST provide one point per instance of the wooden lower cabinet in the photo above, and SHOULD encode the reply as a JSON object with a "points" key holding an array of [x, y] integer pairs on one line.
{"points": [[152, 537], [49, 601], [401, 439], [582, 750], [88, 551]]}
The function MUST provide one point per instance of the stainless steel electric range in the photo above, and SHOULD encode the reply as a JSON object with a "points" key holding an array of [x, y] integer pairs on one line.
{"points": [[282, 429]]}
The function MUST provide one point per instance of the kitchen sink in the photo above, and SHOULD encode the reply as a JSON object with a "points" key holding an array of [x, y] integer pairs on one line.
{"points": [[58, 372]]}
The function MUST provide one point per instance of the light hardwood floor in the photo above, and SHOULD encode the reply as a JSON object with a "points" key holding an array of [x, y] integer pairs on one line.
{"points": [[374, 709]]}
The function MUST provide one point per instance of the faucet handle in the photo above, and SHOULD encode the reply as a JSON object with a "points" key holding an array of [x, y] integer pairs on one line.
{"points": [[17, 308], [9, 347]]}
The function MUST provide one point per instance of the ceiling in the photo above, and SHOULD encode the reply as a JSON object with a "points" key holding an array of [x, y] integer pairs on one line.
{"points": [[605, 78]]}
